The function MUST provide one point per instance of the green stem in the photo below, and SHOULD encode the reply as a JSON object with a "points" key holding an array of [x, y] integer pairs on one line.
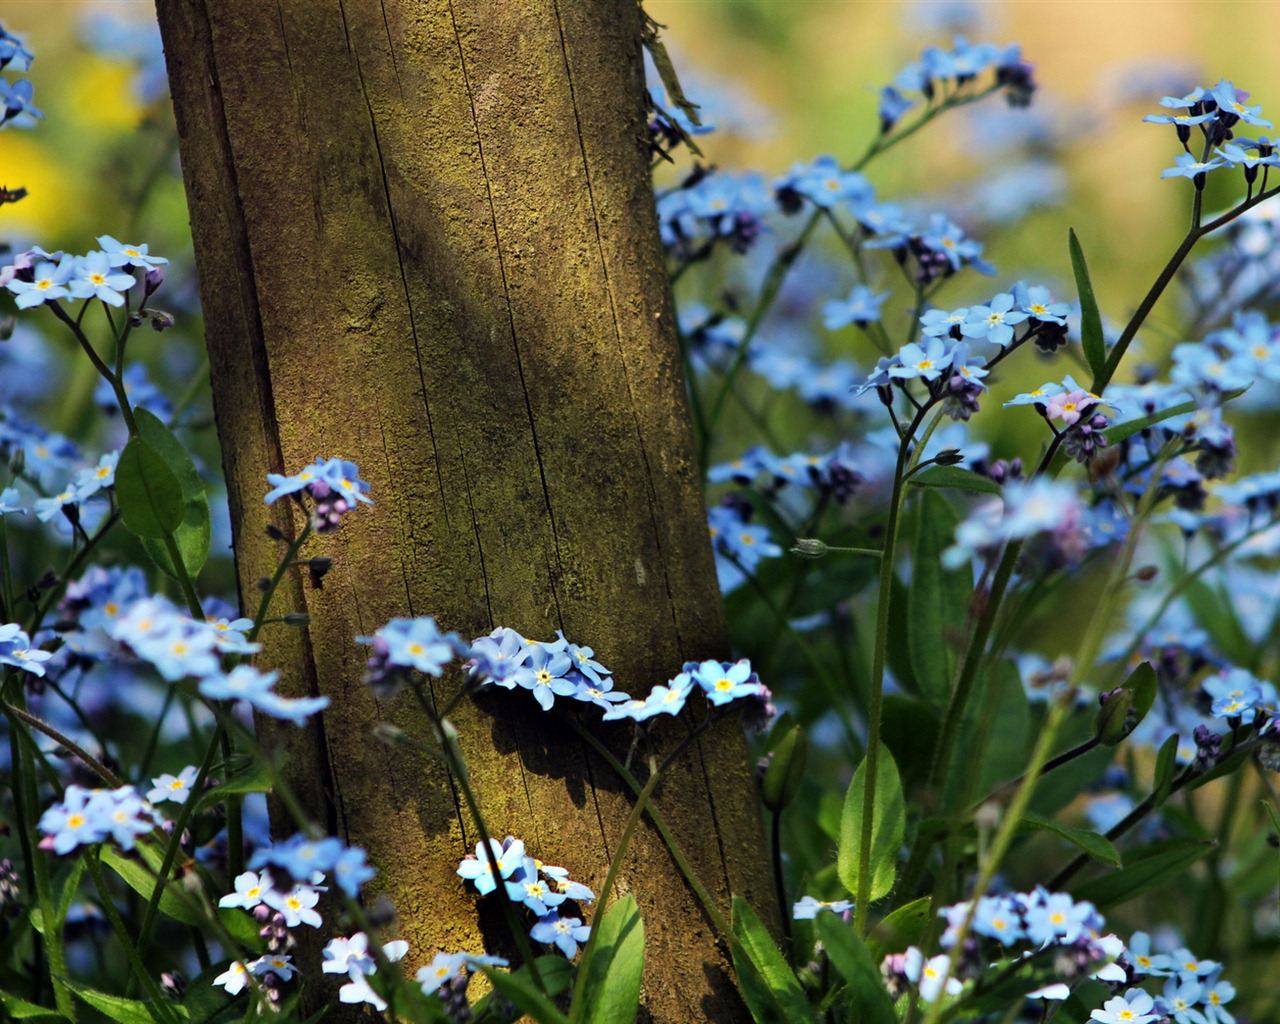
{"points": [[96, 766], [677, 852], [628, 830], [907, 457], [175, 839], [1005, 835], [159, 1004]]}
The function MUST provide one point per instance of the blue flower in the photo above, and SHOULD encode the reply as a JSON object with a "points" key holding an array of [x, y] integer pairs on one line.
{"points": [[289, 709], [1219, 993], [861, 307], [545, 672], [478, 870], [528, 888], [18, 110], [892, 106], [351, 870], [1231, 103], [93, 278], [808, 907], [937, 323], [600, 693], [1190, 167], [13, 54], [244, 682], [562, 932], [173, 788], [16, 650], [1037, 303], [444, 969], [927, 361], [583, 660], [121, 255], [1179, 999], [1134, 1007], [998, 918], [948, 240], [416, 643], [49, 282], [823, 182], [722, 681], [995, 322], [334, 474]]}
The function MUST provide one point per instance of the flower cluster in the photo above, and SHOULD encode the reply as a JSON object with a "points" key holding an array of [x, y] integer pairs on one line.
{"points": [[541, 888], [711, 207], [87, 816], [350, 956], [1193, 992], [89, 482], [333, 484], [1217, 113], [16, 96], [739, 545], [1025, 509], [547, 669], [36, 276], [940, 74]]}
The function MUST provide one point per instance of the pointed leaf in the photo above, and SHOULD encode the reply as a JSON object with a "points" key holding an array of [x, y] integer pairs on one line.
{"points": [[613, 987], [888, 825], [1091, 338], [117, 1008], [149, 495], [194, 533], [867, 995], [524, 996], [175, 902], [1166, 769], [1146, 870], [955, 477], [904, 927], [19, 1009], [1091, 843], [769, 987]]}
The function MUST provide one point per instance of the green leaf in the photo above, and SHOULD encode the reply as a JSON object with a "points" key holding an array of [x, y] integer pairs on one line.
{"points": [[1092, 340], [869, 1000], [1005, 729], [769, 987], [897, 649], [612, 989], [937, 600], [194, 533], [175, 902], [257, 778], [149, 495], [955, 477], [522, 994], [785, 773], [1166, 769], [1122, 712], [909, 728], [888, 825], [1091, 843], [119, 1009], [904, 927], [1146, 870], [19, 1009], [555, 971]]}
